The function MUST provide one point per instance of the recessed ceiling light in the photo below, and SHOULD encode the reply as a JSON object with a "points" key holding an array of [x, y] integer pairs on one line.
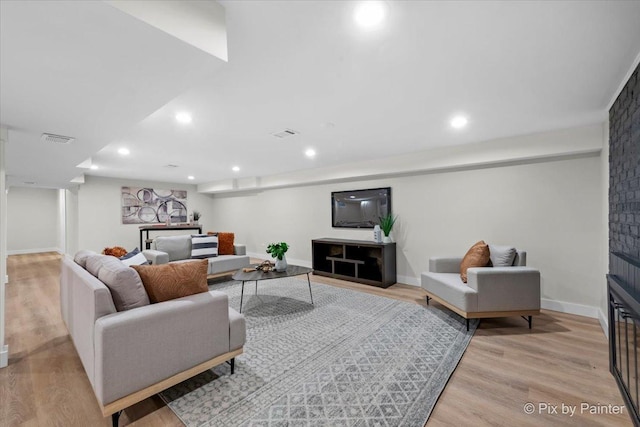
{"points": [[123, 151], [183, 117], [352, 197], [369, 14], [458, 122], [94, 167], [191, 177], [310, 152], [236, 168]]}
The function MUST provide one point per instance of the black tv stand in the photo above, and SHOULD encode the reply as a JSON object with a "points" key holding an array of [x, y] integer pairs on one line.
{"points": [[359, 261]]}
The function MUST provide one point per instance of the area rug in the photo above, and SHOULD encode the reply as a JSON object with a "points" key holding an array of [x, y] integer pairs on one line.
{"points": [[351, 359]]}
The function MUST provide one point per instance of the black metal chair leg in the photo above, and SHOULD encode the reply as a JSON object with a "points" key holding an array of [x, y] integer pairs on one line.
{"points": [[115, 418]]}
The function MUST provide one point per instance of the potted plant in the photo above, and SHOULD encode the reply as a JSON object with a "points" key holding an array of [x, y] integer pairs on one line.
{"points": [[196, 216], [277, 251], [386, 224]]}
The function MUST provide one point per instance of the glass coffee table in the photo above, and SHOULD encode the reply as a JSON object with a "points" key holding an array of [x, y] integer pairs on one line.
{"points": [[257, 275]]}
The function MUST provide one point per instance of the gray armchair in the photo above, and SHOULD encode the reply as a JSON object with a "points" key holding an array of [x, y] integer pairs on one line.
{"points": [[489, 291]]}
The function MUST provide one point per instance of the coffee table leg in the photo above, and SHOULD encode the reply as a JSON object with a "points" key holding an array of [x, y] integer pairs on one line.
{"points": [[309, 282], [256, 287], [241, 295]]}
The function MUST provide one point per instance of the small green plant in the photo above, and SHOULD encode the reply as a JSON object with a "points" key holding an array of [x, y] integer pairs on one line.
{"points": [[386, 223], [196, 215], [277, 250]]}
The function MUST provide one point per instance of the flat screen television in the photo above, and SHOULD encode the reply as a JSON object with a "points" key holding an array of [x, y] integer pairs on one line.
{"points": [[360, 208]]}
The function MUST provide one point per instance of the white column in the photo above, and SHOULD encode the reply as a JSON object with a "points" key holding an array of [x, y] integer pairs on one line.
{"points": [[4, 349]]}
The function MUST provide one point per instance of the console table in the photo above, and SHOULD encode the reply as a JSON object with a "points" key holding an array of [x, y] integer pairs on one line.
{"points": [[359, 261], [162, 227]]}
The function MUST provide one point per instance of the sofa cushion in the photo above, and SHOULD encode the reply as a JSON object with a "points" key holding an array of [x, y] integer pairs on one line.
{"points": [[177, 247], [225, 242], [175, 280], [204, 246], [94, 264], [81, 257], [449, 287], [124, 283], [502, 256], [224, 263], [476, 256], [135, 257]]}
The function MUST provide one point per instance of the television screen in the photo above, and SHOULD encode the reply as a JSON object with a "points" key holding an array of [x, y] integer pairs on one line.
{"points": [[360, 208]]}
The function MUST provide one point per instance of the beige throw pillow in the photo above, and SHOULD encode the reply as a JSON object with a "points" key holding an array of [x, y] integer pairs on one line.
{"points": [[477, 256]]}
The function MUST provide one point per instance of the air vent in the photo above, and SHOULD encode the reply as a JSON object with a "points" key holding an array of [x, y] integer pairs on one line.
{"points": [[56, 139], [171, 166], [285, 133]]}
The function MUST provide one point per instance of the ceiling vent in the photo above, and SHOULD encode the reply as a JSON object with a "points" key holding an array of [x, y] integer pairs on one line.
{"points": [[56, 139], [171, 166], [285, 133]]}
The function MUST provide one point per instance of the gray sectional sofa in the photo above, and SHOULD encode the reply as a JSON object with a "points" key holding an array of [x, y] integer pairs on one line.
{"points": [[166, 249], [145, 348]]}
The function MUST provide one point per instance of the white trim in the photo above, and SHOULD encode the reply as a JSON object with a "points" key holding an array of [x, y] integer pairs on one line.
{"points": [[33, 251], [569, 308], [4, 356], [624, 81], [408, 280], [604, 323]]}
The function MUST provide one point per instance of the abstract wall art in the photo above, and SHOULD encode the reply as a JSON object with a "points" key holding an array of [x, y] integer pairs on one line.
{"points": [[141, 205]]}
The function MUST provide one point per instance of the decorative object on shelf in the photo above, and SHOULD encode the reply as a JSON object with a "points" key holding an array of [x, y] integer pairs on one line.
{"points": [[153, 206], [277, 251], [386, 224], [377, 234], [264, 267], [196, 217]]}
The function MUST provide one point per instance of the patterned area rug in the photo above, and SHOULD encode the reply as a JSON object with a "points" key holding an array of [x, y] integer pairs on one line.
{"points": [[352, 359]]}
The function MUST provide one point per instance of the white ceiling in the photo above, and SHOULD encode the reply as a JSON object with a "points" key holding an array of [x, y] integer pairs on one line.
{"points": [[90, 71]]}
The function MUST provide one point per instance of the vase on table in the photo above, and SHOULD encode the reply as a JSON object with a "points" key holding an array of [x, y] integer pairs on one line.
{"points": [[387, 239], [281, 264]]}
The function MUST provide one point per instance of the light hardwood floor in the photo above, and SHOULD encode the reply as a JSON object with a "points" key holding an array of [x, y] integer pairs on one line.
{"points": [[563, 359]]}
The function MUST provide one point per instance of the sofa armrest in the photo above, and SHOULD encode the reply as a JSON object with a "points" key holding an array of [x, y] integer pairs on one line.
{"points": [[156, 257], [239, 249], [505, 288], [445, 264], [140, 347]]}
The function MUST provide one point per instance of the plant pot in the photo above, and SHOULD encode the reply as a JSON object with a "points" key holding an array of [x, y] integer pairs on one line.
{"points": [[387, 239], [281, 264]]}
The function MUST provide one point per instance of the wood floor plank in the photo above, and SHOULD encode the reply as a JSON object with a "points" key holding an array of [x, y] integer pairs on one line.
{"points": [[563, 359]]}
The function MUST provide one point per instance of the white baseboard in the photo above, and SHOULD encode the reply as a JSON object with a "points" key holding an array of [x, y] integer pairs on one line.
{"points": [[33, 251], [569, 308], [604, 322], [4, 356], [408, 280]]}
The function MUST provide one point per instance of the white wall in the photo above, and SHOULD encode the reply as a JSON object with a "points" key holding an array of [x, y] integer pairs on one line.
{"points": [[552, 210], [33, 220], [99, 207], [604, 169], [71, 220]]}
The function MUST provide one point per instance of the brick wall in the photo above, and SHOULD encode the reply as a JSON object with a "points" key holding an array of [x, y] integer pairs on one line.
{"points": [[624, 170]]}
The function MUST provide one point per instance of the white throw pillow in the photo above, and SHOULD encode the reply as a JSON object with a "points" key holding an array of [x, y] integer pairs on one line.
{"points": [[137, 259]]}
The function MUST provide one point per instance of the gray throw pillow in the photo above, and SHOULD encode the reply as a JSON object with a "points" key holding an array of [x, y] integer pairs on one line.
{"points": [[124, 283], [502, 256]]}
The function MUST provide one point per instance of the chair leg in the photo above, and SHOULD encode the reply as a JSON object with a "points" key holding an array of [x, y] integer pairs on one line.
{"points": [[529, 320], [428, 299], [115, 418], [467, 324]]}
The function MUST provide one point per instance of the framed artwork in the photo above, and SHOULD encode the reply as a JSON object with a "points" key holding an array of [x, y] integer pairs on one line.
{"points": [[143, 205]]}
